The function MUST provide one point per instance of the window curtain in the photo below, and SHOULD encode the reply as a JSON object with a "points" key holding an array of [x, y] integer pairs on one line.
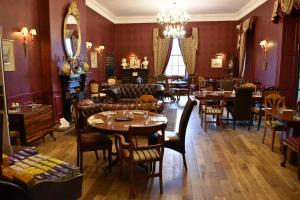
{"points": [[244, 27], [188, 47], [282, 7], [161, 51]]}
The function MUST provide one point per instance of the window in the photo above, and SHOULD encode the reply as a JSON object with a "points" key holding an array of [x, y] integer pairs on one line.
{"points": [[175, 65]]}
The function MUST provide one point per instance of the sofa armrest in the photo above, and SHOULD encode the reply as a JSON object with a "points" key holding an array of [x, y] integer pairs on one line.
{"points": [[114, 93]]}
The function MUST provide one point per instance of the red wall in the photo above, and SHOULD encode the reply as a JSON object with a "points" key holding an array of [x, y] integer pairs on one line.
{"points": [[26, 80], [100, 31], [265, 29], [214, 37]]}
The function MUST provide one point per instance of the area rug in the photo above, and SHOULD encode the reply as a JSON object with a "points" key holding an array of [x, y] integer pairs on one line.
{"points": [[171, 114]]}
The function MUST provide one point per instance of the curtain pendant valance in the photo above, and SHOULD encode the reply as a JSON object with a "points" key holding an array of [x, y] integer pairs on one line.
{"points": [[284, 7]]}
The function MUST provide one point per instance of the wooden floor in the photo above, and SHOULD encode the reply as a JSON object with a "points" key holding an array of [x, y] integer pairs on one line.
{"points": [[222, 164]]}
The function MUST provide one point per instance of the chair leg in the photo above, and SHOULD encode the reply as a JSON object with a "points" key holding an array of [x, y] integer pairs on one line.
{"points": [[77, 156], [160, 177], [284, 156], [234, 121], [132, 180], [264, 135], [184, 161], [104, 155], [273, 139], [109, 159], [249, 124], [96, 153], [227, 117], [81, 162], [259, 122], [298, 165]]}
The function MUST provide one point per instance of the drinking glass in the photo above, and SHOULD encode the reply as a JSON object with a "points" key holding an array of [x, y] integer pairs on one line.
{"points": [[146, 117], [109, 119]]}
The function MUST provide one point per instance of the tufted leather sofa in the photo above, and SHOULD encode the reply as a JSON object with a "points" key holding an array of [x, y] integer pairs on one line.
{"points": [[131, 92]]}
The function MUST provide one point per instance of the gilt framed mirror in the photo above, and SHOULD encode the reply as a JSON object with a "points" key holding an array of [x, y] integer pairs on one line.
{"points": [[71, 32]]}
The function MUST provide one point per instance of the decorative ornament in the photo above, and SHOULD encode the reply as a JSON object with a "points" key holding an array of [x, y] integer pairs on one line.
{"points": [[66, 68]]}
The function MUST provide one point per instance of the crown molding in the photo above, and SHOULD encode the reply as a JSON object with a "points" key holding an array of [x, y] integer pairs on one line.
{"points": [[250, 6], [97, 7]]}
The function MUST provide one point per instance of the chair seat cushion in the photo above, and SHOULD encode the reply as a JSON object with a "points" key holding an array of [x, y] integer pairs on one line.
{"points": [[90, 140], [142, 155], [293, 141], [211, 110], [275, 124]]}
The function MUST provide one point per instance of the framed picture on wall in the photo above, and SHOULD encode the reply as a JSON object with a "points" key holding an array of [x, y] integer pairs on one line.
{"points": [[94, 60], [216, 63], [8, 55]]}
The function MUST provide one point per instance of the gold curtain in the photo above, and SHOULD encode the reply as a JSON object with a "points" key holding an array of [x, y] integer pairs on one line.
{"points": [[287, 6], [160, 51], [242, 45], [188, 48]]}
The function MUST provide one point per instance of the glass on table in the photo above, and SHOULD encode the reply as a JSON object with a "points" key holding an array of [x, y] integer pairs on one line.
{"points": [[146, 118], [109, 119]]}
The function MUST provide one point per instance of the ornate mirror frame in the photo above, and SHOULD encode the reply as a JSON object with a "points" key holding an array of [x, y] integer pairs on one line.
{"points": [[72, 11]]}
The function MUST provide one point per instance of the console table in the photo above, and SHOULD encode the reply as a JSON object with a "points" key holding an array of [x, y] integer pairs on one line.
{"points": [[32, 121]]}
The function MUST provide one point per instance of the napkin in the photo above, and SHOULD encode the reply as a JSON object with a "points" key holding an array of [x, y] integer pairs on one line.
{"points": [[158, 119], [64, 123], [141, 112], [93, 121], [108, 113]]}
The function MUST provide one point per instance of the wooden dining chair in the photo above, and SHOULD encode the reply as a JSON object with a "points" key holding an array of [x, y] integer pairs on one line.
{"points": [[292, 143], [176, 140], [146, 102], [134, 155], [215, 110], [89, 141], [94, 89], [274, 102]]}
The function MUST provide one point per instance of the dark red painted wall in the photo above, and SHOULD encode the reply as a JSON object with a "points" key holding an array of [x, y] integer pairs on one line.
{"points": [[100, 31], [26, 80], [264, 28], [214, 37]]}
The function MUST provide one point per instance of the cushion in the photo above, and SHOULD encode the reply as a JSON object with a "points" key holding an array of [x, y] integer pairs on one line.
{"points": [[293, 141], [211, 110], [275, 124], [142, 155]]}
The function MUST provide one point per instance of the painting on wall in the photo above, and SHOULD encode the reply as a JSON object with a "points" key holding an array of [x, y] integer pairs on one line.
{"points": [[216, 63], [94, 63], [8, 55]]}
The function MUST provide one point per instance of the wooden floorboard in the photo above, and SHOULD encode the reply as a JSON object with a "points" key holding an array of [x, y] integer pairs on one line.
{"points": [[222, 164]]}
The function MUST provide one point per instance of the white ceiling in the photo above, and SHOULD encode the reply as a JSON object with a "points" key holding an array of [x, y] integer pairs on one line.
{"points": [[145, 11]]}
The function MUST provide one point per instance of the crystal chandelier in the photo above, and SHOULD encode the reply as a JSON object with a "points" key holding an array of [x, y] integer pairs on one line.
{"points": [[174, 18]]}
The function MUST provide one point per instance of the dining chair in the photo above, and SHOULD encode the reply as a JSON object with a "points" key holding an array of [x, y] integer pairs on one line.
{"points": [[94, 89], [241, 108], [146, 101], [134, 155], [89, 141], [259, 108], [169, 90], [292, 143], [274, 102], [216, 110], [176, 140], [227, 85]]}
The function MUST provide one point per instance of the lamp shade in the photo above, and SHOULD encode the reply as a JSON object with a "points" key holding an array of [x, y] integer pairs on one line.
{"points": [[24, 31]]}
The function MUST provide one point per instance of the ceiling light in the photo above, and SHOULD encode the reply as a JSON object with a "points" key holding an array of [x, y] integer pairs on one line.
{"points": [[174, 18]]}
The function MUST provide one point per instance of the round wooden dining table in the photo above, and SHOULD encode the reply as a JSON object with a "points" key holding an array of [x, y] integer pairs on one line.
{"points": [[122, 119]]}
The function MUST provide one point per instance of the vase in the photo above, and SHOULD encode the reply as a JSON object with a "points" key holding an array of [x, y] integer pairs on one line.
{"points": [[66, 68], [85, 67]]}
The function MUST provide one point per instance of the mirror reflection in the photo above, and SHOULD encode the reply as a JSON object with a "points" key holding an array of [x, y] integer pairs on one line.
{"points": [[72, 34]]}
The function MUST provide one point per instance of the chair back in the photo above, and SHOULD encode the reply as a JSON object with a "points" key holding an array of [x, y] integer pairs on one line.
{"points": [[12, 191], [94, 87], [249, 85], [185, 116], [270, 90], [146, 102], [147, 131], [275, 101], [75, 117], [111, 81], [227, 85], [201, 82], [243, 103]]}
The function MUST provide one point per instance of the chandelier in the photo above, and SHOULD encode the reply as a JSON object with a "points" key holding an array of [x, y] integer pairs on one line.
{"points": [[174, 18]]}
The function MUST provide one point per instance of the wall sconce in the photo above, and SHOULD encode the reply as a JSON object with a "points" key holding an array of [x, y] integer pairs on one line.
{"points": [[24, 31], [100, 49], [263, 44], [89, 45]]}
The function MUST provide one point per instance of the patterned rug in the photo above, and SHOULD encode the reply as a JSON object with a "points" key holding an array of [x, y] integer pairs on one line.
{"points": [[171, 114]]}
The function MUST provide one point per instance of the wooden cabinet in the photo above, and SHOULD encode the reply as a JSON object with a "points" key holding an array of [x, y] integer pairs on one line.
{"points": [[33, 122], [131, 75]]}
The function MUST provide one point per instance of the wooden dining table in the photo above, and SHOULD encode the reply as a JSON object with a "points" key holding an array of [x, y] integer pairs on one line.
{"points": [[122, 119], [226, 95], [289, 116]]}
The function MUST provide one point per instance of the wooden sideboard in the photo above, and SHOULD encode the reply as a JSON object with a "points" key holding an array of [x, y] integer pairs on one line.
{"points": [[131, 75], [33, 122]]}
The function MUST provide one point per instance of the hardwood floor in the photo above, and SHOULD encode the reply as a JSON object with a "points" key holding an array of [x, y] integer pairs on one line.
{"points": [[222, 164]]}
